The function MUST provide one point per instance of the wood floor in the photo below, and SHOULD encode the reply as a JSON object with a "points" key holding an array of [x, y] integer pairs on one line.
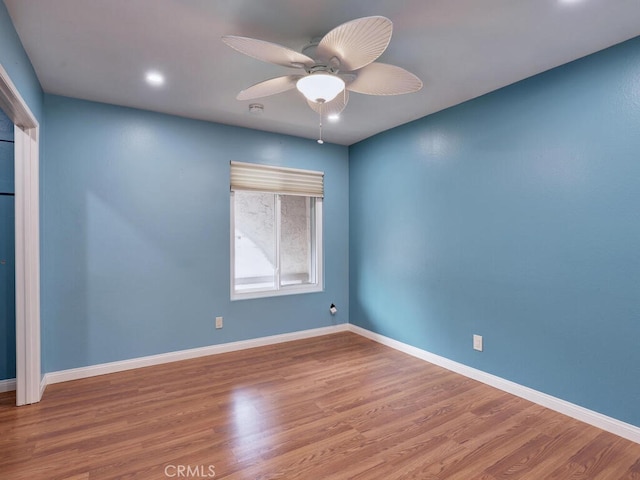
{"points": [[333, 407]]}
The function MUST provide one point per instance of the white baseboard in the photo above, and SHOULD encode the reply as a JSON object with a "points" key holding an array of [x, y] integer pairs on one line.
{"points": [[112, 367], [7, 385], [617, 427]]}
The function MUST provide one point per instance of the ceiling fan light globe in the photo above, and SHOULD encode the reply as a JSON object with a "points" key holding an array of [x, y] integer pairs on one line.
{"points": [[320, 87]]}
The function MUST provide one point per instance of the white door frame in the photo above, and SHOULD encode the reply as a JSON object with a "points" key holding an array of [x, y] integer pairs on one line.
{"points": [[29, 386]]}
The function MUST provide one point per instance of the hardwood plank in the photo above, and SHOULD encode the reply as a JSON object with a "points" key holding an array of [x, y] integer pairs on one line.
{"points": [[334, 407]]}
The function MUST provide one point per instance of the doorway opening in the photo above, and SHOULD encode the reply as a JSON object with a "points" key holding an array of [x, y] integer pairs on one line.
{"points": [[29, 384], [7, 257]]}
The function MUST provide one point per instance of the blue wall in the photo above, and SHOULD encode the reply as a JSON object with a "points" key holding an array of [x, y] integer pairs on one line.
{"points": [[515, 216], [135, 234], [14, 60]]}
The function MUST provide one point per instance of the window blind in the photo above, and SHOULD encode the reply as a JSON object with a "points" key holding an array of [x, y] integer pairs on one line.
{"points": [[285, 181]]}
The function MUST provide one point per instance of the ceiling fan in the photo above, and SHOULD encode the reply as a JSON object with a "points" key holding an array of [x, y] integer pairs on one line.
{"points": [[342, 61]]}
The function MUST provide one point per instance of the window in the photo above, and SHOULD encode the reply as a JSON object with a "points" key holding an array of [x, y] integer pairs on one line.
{"points": [[276, 225]]}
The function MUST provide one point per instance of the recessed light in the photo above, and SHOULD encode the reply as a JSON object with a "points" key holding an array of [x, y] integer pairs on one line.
{"points": [[155, 79], [334, 117]]}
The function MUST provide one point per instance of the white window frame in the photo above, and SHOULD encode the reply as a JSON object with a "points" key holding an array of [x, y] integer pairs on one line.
{"points": [[279, 181], [280, 290]]}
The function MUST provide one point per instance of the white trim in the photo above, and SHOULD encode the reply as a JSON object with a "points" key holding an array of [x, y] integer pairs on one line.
{"points": [[27, 231], [112, 367], [43, 385], [232, 245], [617, 427], [21, 273], [7, 385], [27, 267], [13, 105]]}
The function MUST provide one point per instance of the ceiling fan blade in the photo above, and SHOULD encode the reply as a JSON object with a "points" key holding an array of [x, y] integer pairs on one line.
{"points": [[268, 52], [269, 87], [356, 43], [334, 107], [383, 79]]}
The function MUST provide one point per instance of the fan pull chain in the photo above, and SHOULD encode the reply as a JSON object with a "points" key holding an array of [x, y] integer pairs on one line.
{"points": [[320, 141]]}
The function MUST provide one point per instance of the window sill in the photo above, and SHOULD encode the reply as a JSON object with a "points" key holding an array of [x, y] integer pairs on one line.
{"points": [[276, 293]]}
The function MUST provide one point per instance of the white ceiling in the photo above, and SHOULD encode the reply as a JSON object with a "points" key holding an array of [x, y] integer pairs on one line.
{"points": [[100, 50]]}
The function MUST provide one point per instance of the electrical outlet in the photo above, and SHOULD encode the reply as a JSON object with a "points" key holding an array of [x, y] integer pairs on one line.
{"points": [[218, 322], [477, 342]]}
